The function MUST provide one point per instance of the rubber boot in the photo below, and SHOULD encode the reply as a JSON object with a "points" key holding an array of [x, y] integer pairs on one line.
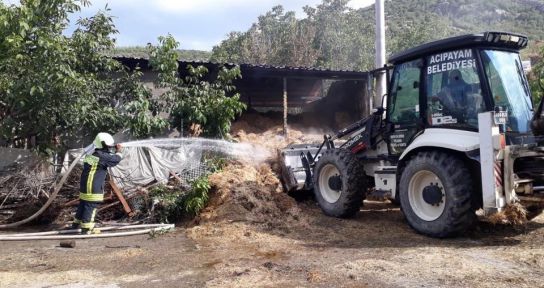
{"points": [[93, 231]]}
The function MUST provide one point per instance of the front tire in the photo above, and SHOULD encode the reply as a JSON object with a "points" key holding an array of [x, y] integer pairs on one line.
{"points": [[339, 183], [436, 194]]}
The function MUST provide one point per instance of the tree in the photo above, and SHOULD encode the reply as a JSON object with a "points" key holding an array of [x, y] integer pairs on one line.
{"points": [[53, 86], [232, 49], [191, 100], [536, 80], [142, 52], [277, 38], [413, 33], [333, 36]]}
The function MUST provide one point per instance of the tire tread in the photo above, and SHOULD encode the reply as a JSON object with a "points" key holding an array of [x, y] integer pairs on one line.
{"points": [[353, 195], [460, 216]]}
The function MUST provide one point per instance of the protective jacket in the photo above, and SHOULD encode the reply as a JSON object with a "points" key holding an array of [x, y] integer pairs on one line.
{"points": [[95, 169]]}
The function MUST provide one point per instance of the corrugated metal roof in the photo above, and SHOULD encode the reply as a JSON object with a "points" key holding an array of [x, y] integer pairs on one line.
{"points": [[260, 70]]}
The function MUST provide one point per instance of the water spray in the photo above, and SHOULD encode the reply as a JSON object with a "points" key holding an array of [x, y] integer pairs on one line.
{"points": [[243, 151]]}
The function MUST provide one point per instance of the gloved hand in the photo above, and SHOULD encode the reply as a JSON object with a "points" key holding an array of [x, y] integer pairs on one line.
{"points": [[118, 148]]}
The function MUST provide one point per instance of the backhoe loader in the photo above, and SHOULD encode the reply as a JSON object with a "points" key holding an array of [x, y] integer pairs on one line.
{"points": [[456, 133]]}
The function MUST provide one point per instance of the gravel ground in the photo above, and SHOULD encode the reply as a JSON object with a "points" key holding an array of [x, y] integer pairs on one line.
{"points": [[375, 249]]}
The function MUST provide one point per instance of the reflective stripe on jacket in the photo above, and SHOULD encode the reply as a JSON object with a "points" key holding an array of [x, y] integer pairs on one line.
{"points": [[95, 169]]}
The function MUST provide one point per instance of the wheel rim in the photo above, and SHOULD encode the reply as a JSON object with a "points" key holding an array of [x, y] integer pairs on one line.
{"points": [[330, 195], [421, 180]]}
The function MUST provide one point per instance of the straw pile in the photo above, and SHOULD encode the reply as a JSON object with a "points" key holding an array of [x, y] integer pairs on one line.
{"points": [[252, 192], [247, 193], [514, 214]]}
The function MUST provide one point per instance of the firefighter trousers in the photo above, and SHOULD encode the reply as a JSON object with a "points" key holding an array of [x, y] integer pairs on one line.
{"points": [[86, 212]]}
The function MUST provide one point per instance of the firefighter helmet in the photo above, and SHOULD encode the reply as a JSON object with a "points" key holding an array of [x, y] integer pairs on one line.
{"points": [[103, 139]]}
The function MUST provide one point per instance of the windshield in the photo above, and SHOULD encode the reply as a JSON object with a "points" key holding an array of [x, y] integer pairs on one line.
{"points": [[509, 88]]}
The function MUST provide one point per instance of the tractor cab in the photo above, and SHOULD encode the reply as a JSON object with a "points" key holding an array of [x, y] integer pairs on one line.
{"points": [[447, 83]]}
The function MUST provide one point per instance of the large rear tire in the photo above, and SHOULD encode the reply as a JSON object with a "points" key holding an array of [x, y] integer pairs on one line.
{"points": [[436, 194], [339, 183]]}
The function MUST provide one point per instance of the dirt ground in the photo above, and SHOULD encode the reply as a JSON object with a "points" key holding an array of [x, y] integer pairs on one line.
{"points": [[252, 234], [375, 249]]}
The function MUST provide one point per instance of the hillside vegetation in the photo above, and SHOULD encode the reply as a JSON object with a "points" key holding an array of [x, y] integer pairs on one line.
{"points": [[143, 52], [336, 37], [522, 16]]}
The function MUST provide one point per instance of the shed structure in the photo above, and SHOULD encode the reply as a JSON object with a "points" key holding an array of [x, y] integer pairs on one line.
{"points": [[337, 97]]}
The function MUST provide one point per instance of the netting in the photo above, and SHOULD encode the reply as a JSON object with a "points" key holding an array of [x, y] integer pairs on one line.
{"points": [[150, 161], [194, 171]]}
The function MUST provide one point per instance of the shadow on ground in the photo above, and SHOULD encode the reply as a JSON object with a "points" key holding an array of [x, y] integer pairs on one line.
{"points": [[382, 225]]}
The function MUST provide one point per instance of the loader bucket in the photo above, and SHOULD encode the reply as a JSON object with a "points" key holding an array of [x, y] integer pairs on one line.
{"points": [[296, 166]]}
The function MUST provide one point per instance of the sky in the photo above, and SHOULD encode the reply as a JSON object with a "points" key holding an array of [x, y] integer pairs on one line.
{"points": [[196, 24]]}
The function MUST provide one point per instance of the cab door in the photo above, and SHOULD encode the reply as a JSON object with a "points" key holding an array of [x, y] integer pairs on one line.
{"points": [[403, 108]]}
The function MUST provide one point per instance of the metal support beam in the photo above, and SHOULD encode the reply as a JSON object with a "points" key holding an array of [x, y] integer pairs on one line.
{"points": [[380, 52], [285, 130], [492, 183]]}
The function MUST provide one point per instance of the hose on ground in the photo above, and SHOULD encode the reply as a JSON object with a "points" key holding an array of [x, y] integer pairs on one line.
{"points": [[51, 198], [62, 234]]}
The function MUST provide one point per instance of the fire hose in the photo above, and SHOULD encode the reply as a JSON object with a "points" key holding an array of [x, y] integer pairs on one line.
{"points": [[118, 231], [113, 231], [52, 197]]}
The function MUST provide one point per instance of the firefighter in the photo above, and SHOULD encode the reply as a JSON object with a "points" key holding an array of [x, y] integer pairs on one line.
{"points": [[95, 168]]}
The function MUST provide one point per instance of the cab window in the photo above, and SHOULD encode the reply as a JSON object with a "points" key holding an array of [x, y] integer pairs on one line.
{"points": [[454, 94], [404, 106], [509, 90]]}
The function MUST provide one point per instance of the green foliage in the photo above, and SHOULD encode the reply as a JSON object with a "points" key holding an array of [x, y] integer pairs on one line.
{"points": [[524, 17], [334, 36], [212, 105], [143, 52], [169, 203], [214, 163], [140, 112], [278, 38], [173, 204], [53, 86], [198, 197], [536, 80], [342, 36], [331, 36], [409, 34]]}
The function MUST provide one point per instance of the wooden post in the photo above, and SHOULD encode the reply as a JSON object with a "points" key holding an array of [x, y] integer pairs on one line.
{"points": [[173, 174], [121, 198], [285, 132]]}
